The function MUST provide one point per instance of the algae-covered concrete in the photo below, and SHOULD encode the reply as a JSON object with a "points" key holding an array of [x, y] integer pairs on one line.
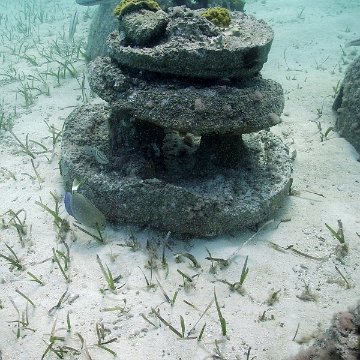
{"points": [[193, 46], [224, 200], [189, 154]]}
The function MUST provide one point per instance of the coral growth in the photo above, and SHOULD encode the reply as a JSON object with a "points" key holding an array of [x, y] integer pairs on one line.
{"points": [[127, 6], [218, 16]]}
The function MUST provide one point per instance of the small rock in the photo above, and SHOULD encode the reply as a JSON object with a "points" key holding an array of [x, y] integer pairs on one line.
{"points": [[143, 27]]}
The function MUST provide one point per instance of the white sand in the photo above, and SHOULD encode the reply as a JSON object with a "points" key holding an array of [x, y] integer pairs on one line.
{"points": [[315, 64]]}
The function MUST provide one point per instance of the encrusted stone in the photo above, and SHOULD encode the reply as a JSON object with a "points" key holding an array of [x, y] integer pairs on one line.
{"points": [[194, 47], [130, 190], [185, 134], [104, 22], [199, 108], [143, 27]]}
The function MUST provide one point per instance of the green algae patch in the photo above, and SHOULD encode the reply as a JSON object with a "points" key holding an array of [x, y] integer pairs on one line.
{"points": [[218, 16], [127, 6]]}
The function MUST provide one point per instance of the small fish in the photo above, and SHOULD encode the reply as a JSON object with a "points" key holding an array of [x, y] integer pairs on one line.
{"points": [[353, 43], [97, 154], [84, 211]]}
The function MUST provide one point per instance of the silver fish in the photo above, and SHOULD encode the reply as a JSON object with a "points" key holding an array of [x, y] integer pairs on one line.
{"points": [[353, 43], [97, 154], [84, 211]]}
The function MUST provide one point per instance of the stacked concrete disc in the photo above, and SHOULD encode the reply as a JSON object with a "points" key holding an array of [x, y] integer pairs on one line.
{"points": [[186, 126], [104, 21]]}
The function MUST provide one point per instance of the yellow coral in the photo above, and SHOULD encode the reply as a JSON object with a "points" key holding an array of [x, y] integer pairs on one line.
{"points": [[218, 16], [126, 6]]}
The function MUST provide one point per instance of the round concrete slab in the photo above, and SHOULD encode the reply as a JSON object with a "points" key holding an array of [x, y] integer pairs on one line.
{"points": [[194, 47], [200, 108], [225, 199]]}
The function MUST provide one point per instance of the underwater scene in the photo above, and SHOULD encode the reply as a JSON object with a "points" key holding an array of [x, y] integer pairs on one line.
{"points": [[180, 179]]}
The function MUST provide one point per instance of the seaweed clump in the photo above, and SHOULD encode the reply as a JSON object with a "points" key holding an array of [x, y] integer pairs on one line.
{"points": [[218, 16], [127, 6]]}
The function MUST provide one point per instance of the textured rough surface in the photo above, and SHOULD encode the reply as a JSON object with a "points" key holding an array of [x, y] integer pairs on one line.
{"points": [[225, 107], [143, 27], [104, 21], [223, 199], [185, 98], [347, 105], [340, 342], [194, 47]]}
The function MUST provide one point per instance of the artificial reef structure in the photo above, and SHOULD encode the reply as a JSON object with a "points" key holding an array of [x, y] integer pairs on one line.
{"points": [[184, 135], [104, 21]]}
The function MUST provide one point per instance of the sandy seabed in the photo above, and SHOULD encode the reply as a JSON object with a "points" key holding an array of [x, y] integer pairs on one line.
{"points": [[299, 275]]}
